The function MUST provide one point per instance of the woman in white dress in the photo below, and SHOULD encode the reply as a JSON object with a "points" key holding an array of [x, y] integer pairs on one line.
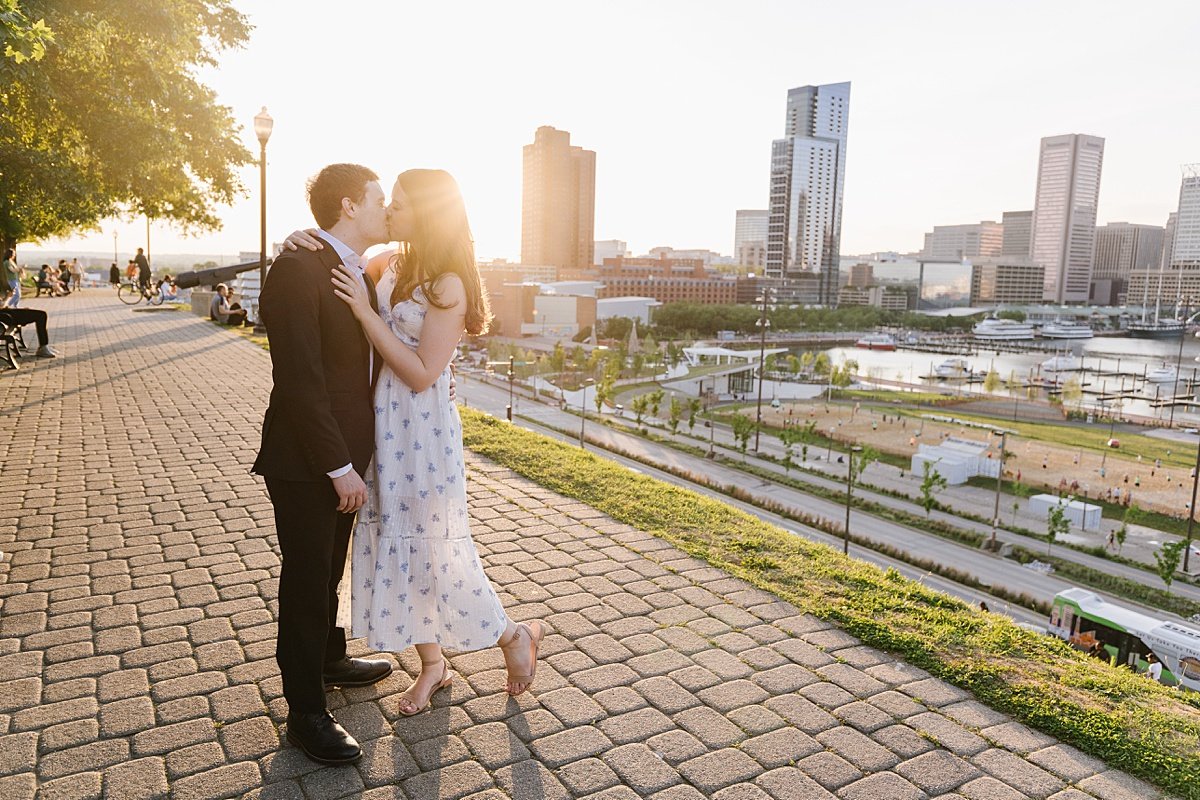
{"points": [[416, 577]]}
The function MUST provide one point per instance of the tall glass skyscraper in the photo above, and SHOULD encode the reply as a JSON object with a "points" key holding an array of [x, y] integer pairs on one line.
{"points": [[1185, 248], [1064, 214], [808, 168]]}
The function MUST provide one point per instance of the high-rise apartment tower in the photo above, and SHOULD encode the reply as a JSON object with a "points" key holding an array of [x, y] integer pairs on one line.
{"points": [[558, 202], [808, 168], [1064, 214], [1185, 250], [750, 238]]}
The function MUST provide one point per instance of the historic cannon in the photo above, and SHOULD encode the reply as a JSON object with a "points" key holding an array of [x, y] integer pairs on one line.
{"points": [[211, 277]]}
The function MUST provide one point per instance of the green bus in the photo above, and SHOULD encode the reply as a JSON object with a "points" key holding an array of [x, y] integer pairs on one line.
{"points": [[1083, 618]]}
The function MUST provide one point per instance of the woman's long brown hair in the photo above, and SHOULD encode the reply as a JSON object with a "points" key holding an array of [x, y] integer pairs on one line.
{"points": [[440, 243]]}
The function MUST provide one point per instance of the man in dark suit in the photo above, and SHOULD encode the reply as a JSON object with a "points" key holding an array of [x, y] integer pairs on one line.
{"points": [[318, 439]]}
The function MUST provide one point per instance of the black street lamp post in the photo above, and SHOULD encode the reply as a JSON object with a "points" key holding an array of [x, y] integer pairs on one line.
{"points": [[854, 451], [583, 407], [767, 296], [262, 129]]}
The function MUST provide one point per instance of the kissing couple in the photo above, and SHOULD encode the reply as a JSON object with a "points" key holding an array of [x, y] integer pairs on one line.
{"points": [[362, 421]]}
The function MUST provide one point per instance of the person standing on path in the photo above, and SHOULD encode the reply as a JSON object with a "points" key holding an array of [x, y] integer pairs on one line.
{"points": [[317, 442], [10, 280], [416, 576]]}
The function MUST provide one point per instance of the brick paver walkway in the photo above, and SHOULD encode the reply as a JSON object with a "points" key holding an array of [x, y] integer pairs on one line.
{"points": [[137, 629]]}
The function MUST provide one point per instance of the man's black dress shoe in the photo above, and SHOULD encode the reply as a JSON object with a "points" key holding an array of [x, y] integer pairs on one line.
{"points": [[356, 671], [321, 738]]}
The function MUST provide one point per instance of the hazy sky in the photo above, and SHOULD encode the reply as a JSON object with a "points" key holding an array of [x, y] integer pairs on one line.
{"points": [[680, 100]]}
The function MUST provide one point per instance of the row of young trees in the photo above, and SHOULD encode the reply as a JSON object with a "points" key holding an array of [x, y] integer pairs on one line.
{"points": [[101, 114], [681, 319]]}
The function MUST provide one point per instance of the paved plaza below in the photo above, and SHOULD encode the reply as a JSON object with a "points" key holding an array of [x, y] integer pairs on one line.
{"points": [[137, 625]]}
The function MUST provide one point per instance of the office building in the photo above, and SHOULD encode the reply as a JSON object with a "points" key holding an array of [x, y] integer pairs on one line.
{"points": [[1018, 233], [1169, 240], [862, 275], [608, 248], [959, 242], [1064, 214], [1121, 248], [889, 298], [808, 167], [1007, 281], [750, 238], [1185, 248], [558, 201]]}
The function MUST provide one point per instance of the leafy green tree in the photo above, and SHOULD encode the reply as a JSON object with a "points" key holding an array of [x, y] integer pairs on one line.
{"points": [[558, 359], [1072, 390], [793, 364], [579, 357], [656, 398], [821, 365], [1057, 525], [693, 408], [604, 391], [991, 382], [743, 429], [806, 361], [112, 119], [638, 406], [639, 361], [1011, 313], [931, 481], [788, 437], [23, 38], [1166, 561], [675, 414]]}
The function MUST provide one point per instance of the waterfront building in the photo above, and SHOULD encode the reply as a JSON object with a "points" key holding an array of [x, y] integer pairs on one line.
{"points": [[608, 248], [1185, 247], [892, 298], [750, 238], [1006, 281], [957, 242], [1121, 248], [1064, 214], [1018, 233], [1169, 240], [862, 274], [558, 201], [808, 167]]}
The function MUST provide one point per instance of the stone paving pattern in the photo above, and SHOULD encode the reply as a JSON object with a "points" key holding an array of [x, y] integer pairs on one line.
{"points": [[137, 629]]}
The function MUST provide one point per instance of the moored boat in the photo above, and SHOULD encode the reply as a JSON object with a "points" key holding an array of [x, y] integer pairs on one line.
{"points": [[1002, 330], [1067, 330], [877, 341]]}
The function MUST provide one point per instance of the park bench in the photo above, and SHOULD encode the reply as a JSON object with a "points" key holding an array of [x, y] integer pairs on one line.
{"points": [[11, 340]]}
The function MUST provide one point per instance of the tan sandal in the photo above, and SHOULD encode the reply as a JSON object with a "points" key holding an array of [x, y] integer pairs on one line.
{"points": [[535, 642], [447, 679]]}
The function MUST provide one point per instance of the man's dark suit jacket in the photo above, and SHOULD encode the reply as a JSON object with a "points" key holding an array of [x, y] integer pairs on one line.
{"points": [[321, 415]]}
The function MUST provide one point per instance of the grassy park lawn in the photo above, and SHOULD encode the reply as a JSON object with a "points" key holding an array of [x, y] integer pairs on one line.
{"points": [[1129, 722]]}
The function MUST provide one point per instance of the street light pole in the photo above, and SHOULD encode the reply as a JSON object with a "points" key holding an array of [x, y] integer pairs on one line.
{"points": [[999, 476], [854, 451], [263, 123], [583, 408], [508, 411], [763, 323], [1187, 548], [1187, 309]]}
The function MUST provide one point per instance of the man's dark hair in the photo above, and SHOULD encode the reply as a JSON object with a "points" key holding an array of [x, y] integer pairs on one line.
{"points": [[139, 249], [327, 188], [9, 253]]}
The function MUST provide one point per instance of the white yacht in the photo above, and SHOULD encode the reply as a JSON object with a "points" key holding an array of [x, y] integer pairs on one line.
{"points": [[1067, 330], [1061, 363], [953, 368], [1002, 330], [1163, 374]]}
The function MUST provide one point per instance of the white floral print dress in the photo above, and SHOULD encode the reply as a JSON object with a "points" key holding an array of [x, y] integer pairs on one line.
{"points": [[416, 577]]}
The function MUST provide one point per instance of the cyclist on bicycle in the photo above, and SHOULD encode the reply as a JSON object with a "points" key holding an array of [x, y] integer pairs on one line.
{"points": [[143, 271]]}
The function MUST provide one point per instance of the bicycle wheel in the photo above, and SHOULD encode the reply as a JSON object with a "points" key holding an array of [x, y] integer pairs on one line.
{"points": [[154, 298], [129, 294]]}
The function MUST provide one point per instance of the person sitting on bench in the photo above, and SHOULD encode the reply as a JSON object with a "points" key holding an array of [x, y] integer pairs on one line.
{"points": [[221, 311], [24, 316]]}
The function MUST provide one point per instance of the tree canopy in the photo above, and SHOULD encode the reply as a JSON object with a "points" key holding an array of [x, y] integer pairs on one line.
{"points": [[102, 114]]}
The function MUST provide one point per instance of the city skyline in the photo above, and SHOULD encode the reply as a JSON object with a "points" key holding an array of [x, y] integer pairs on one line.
{"points": [[932, 145]]}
